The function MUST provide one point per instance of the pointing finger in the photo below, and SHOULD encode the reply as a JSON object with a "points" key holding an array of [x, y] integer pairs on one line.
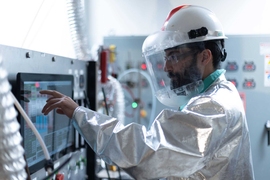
{"points": [[52, 93]]}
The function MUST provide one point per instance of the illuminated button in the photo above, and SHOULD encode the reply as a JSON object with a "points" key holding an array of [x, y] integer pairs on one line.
{"points": [[249, 83], [143, 113], [37, 85], [143, 66], [134, 105], [59, 177], [113, 168], [249, 66], [231, 66]]}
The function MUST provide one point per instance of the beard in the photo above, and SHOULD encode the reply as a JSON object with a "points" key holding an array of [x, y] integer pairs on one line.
{"points": [[191, 74]]}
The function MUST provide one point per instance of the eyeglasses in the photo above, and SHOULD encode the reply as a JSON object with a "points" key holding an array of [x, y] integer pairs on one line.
{"points": [[175, 57]]}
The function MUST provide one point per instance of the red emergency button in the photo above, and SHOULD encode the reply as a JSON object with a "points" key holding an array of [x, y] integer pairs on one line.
{"points": [[249, 83], [249, 66], [231, 66], [143, 66], [59, 176]]}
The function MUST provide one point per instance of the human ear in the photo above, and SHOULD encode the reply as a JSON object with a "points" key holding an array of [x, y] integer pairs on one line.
{"points": [[206, 56]]}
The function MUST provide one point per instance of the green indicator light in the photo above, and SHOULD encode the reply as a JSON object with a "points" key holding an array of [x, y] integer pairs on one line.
{"points": [[134, 105]]}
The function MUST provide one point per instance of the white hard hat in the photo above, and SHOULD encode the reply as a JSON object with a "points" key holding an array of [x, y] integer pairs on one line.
{"points": [[187, 18], [185, 24]]}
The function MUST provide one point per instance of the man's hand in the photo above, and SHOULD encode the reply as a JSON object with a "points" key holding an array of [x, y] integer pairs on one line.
{"points": [[63, 104]]}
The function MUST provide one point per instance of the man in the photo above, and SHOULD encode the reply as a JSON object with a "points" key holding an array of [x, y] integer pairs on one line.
{"points": [[207, 138]]}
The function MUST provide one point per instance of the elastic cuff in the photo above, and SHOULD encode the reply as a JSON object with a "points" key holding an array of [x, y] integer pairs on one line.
{"points": [[75, 111]]}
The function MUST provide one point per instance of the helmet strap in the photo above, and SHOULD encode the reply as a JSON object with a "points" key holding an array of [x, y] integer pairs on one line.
{"points": [[222, 50]]}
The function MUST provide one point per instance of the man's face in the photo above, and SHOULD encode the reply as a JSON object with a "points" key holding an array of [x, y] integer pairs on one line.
{"points": [[181, 66]]}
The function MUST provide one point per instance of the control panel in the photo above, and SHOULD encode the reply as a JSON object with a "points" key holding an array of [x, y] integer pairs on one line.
{"points": [[71, 164]]}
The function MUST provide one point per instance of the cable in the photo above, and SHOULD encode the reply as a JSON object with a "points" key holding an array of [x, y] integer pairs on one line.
{"points": [[33, 22], [57, 169], [43, 21], [106, 105], [49, 168], [32, 126], [106, 108], [43, 146], [86, 99]]}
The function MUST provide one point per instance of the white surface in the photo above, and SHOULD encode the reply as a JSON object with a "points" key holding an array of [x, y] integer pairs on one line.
{"points": [[42, 25]]}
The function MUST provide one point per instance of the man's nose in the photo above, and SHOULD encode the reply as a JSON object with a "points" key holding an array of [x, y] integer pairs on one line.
{"points": [[167, 66]]}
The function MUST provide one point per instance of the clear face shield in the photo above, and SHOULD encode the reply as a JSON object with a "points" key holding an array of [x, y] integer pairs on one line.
{"points": [[174, 72]]}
